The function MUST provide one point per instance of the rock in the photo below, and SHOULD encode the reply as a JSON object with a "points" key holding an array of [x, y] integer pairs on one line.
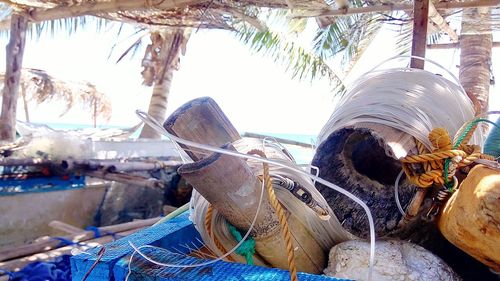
{"points": [[471, 217], [394, 260]]}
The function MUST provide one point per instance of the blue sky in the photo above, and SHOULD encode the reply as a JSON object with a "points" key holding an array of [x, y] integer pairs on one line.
{"points": [[255, 93]]}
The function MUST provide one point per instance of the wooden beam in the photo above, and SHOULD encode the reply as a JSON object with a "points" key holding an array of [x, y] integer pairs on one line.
{"points": [[420, 21], [91, 8], [393, 7], [453, 46], [437, 19], [15, 53]]}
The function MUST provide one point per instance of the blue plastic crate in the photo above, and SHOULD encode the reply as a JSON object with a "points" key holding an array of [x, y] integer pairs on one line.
{"points": [[171, 235]]}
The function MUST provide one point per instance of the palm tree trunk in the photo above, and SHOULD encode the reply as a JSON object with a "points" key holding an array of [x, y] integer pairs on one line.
{"points": [[475, 57], [15, 52], [167, 58], [25, 103]]}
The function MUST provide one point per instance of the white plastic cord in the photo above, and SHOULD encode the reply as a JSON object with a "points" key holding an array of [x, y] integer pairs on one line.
{"points": [[155, 125], [396, 193]]}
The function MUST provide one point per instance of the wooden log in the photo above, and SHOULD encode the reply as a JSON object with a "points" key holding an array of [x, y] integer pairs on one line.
{"points": [[201, 120], [25, 162], [18, 264], [230, 186], [68, 228], [24, 250], [471, 217], [363, 159]]}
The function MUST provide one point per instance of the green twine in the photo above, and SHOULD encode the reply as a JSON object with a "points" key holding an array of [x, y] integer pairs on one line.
{"points": [[247, 248], [460, 139]]}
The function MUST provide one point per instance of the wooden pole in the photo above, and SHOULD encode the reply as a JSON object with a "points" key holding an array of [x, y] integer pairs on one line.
{"points": [[24, 250], [15, 53], [68, 228], [419, 41], [126, 179], [454, 46]]}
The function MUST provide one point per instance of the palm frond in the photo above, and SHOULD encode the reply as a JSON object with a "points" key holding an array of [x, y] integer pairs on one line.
{"points": [[302, 63], [348, 35]]}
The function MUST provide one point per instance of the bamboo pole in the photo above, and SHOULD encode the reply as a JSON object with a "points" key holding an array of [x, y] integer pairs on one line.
{"points": [[394, 7], [126, 179], [231, 187], [18, 264], [420, 21], [201, 120], [24, 250], [14, 53]]}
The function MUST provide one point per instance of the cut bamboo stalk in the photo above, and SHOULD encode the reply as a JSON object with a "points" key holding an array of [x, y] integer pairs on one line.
{"points": [[471, 217], [201, 120], [18, 264], [24, 250], [68, 228], [126, 179], [230, 186]]}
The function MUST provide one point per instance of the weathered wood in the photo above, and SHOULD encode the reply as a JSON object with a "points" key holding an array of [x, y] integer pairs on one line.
{"points": [[441, 23], [25, 162], [364, 160], [230, 186], [201, 120], [47, 255], [68, 228], [471, 217], [24, 250], [14, 53], [419, 40]]}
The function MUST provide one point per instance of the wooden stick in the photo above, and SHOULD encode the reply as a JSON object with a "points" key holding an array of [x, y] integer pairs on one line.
{"points": [[420, 21], [18, 264], [126, 178], [27, 249], [201, 120], [68, 228], [395, 7], [453, 46]]}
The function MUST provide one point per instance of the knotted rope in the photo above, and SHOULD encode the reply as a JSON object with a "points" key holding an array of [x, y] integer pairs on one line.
{"points": [[441, 163]]}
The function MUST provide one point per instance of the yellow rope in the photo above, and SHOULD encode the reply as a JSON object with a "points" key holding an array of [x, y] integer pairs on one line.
{"points": [[208, 226], [433, 162], [285, 231]]}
